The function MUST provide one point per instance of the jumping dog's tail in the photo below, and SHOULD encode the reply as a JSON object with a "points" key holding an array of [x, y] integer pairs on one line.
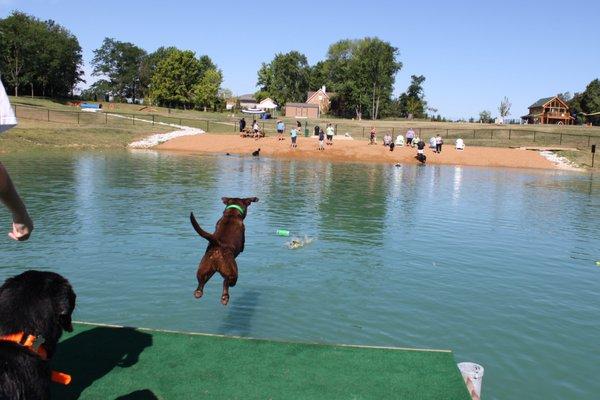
{"points": [[208, 236]]}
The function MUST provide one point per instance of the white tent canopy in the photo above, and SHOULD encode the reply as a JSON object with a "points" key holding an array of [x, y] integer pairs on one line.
{"points": [[7, 116], [267, 104]]}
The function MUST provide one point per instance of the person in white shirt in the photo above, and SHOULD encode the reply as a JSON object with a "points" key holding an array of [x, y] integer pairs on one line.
{"points": [[21, 222]]}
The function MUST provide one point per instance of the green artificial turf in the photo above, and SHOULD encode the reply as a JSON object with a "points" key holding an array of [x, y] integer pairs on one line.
{"points": [[138, 364]]}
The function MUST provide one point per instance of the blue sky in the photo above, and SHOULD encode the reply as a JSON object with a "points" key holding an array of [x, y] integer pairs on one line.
{"points": [[473, 53]]}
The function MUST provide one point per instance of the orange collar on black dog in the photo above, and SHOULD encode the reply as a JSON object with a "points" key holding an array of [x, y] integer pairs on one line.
{"points": [[35, 345]]}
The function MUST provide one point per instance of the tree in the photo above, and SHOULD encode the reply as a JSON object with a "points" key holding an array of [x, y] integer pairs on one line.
{"points": [[207, 90], [177, 76], [589, 101], [504, 108], [285, 77], [41, 54], [362, 73], [120, 63], [148, 67], [412, 102], [485, 117]]}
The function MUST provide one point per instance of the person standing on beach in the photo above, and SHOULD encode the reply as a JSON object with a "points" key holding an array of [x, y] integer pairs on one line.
{"points": [[242, 124], [280, 129], [322, 139], [438, 143], [410, 135], [294, 136], [372, 135], [330, 132], [21, 222]]}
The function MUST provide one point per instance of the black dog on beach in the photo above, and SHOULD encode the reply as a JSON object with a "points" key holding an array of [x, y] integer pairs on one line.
{"points": [[35, 308], [224, 245]]}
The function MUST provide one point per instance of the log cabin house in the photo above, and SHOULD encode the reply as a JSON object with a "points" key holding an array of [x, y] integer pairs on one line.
{"points": [[549, 110]]}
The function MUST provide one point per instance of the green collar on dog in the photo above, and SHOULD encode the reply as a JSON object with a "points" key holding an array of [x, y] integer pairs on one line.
{"points": [[240, 209]]}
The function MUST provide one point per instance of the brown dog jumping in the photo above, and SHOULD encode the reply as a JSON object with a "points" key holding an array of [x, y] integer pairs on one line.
{"points": [[223, 245]]}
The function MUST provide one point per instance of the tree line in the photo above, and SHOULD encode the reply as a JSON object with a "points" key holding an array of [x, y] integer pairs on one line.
{"points": [[360, 72], [166, 77], [40, 57]]}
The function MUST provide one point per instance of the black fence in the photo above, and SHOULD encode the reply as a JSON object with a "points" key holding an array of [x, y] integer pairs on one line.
{"points": [[485, 136]]}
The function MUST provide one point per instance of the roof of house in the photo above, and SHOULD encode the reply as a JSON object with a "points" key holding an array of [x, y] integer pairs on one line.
{"points": [[301, 105], [545, 100], [247, 97], [312, 93]]}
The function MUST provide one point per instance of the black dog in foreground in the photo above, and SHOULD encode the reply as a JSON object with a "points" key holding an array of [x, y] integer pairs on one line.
{"points": [[256, 153], [35, 308], [224, 245]]}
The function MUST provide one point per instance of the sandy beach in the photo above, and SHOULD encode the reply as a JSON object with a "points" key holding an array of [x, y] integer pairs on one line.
{"points": [[344, 150]]}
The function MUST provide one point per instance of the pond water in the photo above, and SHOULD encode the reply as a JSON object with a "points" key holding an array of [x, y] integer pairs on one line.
{"points": [[496, 264]]}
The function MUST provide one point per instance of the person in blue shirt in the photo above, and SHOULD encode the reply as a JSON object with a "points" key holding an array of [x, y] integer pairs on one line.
{"points": [[294, 136], [280, 129]]}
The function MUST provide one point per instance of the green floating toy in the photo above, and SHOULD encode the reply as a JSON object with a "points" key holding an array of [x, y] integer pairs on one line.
{"points": [[283, 232], [598, 263]]}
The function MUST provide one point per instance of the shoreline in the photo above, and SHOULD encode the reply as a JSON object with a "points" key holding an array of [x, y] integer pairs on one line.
{"points": [[358, 151]]}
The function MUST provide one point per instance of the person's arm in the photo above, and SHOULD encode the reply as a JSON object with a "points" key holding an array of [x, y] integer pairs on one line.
{"points": [[22, 224]]}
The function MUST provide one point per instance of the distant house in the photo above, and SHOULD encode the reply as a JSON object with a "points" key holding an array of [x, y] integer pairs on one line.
{"points": [[549, 110], [302, 110], [230, 104], [317, 103], [320, 98], [267, 104], [247, 101]]}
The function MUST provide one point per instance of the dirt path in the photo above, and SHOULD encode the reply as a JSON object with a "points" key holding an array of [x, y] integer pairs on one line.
{"points": [[357, 151]]}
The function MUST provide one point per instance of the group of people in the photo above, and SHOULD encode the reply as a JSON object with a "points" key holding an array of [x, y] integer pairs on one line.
{"points": [[412, 140], [256, 131]]}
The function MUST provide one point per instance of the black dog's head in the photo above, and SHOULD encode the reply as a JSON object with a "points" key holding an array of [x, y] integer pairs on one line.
{"points": [[243, 203], [38, 303]]}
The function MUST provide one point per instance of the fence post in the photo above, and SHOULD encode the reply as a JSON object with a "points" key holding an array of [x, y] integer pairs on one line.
{"points": [[15, 107], [335, 132], [152, 119], [207, 125], [132, 119], [491, 134], [235, 126], [179, 121], [363, 134], [77, 118], [473, 133], [105, 119], [509, 132], [48, 115], [560, 138], [447, 134], [534, 136]]}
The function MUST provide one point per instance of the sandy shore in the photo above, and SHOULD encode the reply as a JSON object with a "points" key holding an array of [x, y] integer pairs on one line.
{"points": [[357, 151]]}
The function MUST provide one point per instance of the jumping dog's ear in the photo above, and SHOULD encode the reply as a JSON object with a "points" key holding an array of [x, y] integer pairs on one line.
{"points": [[225, 200], [249, 200], [65, 303]]}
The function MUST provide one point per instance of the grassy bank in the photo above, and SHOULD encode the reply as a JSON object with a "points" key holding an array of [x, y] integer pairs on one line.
{"points": [[32, 134]]}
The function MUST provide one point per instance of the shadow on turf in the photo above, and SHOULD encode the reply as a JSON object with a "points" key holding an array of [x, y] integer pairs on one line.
{"points": [[91, 354], [139, 395], [238, 321]]}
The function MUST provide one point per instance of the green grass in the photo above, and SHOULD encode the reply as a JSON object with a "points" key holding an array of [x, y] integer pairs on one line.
{"points": [[126, 363], [31, 134]]}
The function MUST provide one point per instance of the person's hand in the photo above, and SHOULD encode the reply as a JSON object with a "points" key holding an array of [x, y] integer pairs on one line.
{"points": [[471, 389], [21, 230]]}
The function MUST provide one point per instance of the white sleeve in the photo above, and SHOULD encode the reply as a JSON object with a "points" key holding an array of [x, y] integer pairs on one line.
{"points": [[7, 116]]}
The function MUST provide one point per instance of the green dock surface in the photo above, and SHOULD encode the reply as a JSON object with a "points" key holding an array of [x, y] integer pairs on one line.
{"points": [[138, 364]]}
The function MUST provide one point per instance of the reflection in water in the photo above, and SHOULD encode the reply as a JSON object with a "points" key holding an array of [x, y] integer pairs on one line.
{"points": [[457, 182], [419, 256]]}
